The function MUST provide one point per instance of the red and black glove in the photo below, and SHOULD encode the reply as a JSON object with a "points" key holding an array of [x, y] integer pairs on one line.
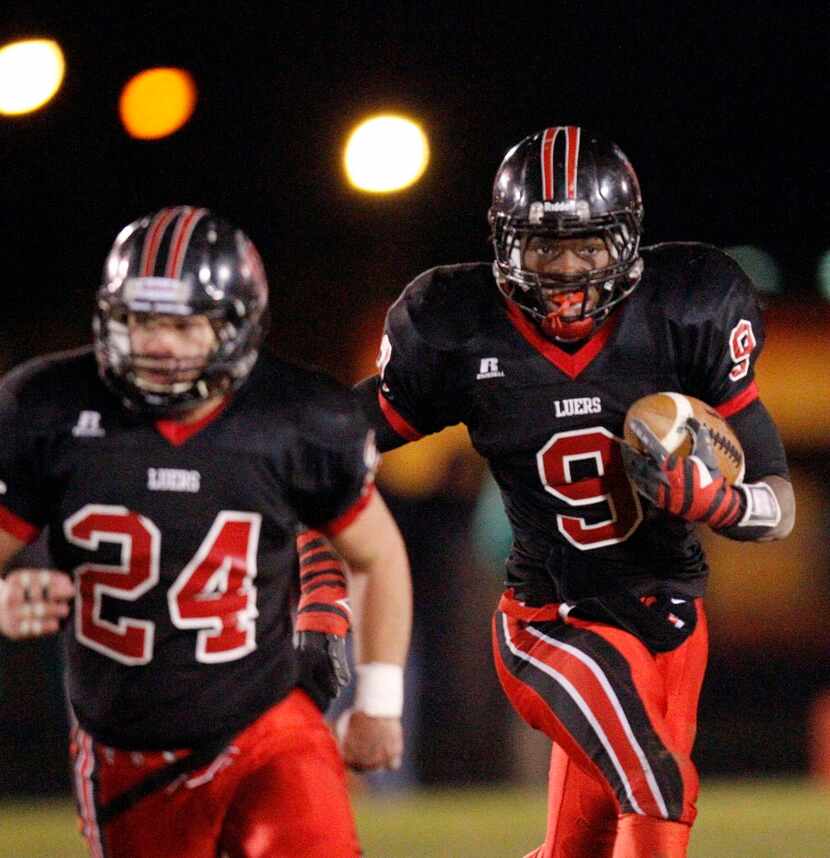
{"points": [[323, 619], [692, 486]]}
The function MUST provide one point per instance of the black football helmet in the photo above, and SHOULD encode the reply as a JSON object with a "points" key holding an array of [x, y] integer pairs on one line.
{"points": [[180, 261], [566, 182]]}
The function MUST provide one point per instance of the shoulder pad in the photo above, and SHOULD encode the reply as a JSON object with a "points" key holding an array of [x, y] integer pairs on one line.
{"points": [[447, 305], [694, 274], [322, 409], [49, 378]]}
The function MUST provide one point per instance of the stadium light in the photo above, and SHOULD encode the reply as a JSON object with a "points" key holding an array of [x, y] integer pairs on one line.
{"points": [[386, 153], [31, 72], [157, 102], [760, 266]]}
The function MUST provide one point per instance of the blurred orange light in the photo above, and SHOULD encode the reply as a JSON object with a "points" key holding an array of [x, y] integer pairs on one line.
{"points": [[157, 102]]}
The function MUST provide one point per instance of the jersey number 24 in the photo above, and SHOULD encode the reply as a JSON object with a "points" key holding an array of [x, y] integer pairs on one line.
{"points": [[213, 595]]}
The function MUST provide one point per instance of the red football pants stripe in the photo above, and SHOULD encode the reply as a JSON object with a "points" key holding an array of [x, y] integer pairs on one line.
{"points": [[591, 689], [668, 686]]}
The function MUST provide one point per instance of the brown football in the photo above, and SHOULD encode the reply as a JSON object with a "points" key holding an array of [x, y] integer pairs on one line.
{"points": [[666, 414]]}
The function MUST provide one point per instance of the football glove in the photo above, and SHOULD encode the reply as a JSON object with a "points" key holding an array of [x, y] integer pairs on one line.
{"points": [[324, 666], [323, 619], [692, 486]]}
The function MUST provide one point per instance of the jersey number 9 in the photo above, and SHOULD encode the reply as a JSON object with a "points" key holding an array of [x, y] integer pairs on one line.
{"points": [[595, 452]]}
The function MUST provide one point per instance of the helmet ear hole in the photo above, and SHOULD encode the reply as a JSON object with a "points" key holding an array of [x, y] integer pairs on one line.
{"points": [[566, 182], [181, 261]]}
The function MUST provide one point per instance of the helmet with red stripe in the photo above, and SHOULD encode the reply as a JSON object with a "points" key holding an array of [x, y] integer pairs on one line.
{"points": [[180, 262], [563, 183]]}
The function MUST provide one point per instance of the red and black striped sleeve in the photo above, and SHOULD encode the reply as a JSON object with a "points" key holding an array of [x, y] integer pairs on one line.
{"points": [[323, 603]]}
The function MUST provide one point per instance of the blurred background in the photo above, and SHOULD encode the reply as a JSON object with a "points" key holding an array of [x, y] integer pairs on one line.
{"points": [[720, 113]]}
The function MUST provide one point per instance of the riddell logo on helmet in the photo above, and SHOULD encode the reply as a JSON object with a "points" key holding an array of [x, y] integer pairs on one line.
{"points": [[577, 208]]}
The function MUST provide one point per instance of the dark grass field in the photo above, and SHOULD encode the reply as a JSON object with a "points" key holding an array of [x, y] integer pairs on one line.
{"points": [[740, 819]]}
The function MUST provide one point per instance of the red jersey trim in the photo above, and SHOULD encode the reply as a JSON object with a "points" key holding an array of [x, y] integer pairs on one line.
{"points": [[396, 421], [345, 519], [738, 402], [18, 527], [177, 432], [571, 364]]}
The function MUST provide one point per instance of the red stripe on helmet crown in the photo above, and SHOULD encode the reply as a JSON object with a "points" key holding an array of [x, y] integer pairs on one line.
{"points": [[180, 240], [571, 160], [152, 240], [548, 141]]}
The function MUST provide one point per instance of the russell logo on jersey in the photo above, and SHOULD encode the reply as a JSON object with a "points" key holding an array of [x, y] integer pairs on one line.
{"points": [[489, 368], [88, 425]]}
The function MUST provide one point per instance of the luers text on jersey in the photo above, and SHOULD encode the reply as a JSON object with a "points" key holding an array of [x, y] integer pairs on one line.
{"points": [[172, 480], [578, 405]]}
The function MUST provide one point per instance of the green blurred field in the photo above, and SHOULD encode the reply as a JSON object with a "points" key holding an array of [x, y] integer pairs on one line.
{"points": [[747, 819]]}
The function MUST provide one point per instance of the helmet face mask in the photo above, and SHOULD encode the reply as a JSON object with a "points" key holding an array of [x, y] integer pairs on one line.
{"points": [[565, 183], [180, 263]]}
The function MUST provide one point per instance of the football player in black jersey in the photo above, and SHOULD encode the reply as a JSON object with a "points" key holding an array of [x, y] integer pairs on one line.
{"points": [[600, 637], [173, 466]]}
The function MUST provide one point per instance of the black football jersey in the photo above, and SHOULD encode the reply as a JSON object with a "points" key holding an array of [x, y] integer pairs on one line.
{"points": [[549, 420], [182, 544]]}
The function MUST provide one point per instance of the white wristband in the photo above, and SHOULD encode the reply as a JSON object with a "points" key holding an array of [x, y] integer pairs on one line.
{"points": [[762, 507], [379, 690]]}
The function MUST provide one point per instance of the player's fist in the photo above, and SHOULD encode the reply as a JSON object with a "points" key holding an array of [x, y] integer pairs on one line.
{"points": [[692, 486], [369, 743], [33, 602]]}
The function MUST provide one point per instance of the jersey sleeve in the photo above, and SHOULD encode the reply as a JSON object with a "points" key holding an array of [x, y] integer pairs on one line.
{"points": [[412, 393], [22, 513], [724, 335], [333, 463], [761, 442]]}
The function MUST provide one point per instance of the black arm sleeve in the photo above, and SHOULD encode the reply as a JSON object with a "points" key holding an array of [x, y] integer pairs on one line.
{"points": [[386, 438], [762, 444]]}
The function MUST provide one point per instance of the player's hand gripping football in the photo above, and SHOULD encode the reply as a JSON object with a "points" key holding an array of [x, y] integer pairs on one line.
{"points": [[33, 602], [692, 486]]}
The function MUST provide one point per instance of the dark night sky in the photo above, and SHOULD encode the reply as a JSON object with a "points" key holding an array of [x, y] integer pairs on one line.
{"points": [[719, 112]]}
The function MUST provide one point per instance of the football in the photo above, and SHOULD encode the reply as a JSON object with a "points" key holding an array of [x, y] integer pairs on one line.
{"points": [[666, 414]]}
